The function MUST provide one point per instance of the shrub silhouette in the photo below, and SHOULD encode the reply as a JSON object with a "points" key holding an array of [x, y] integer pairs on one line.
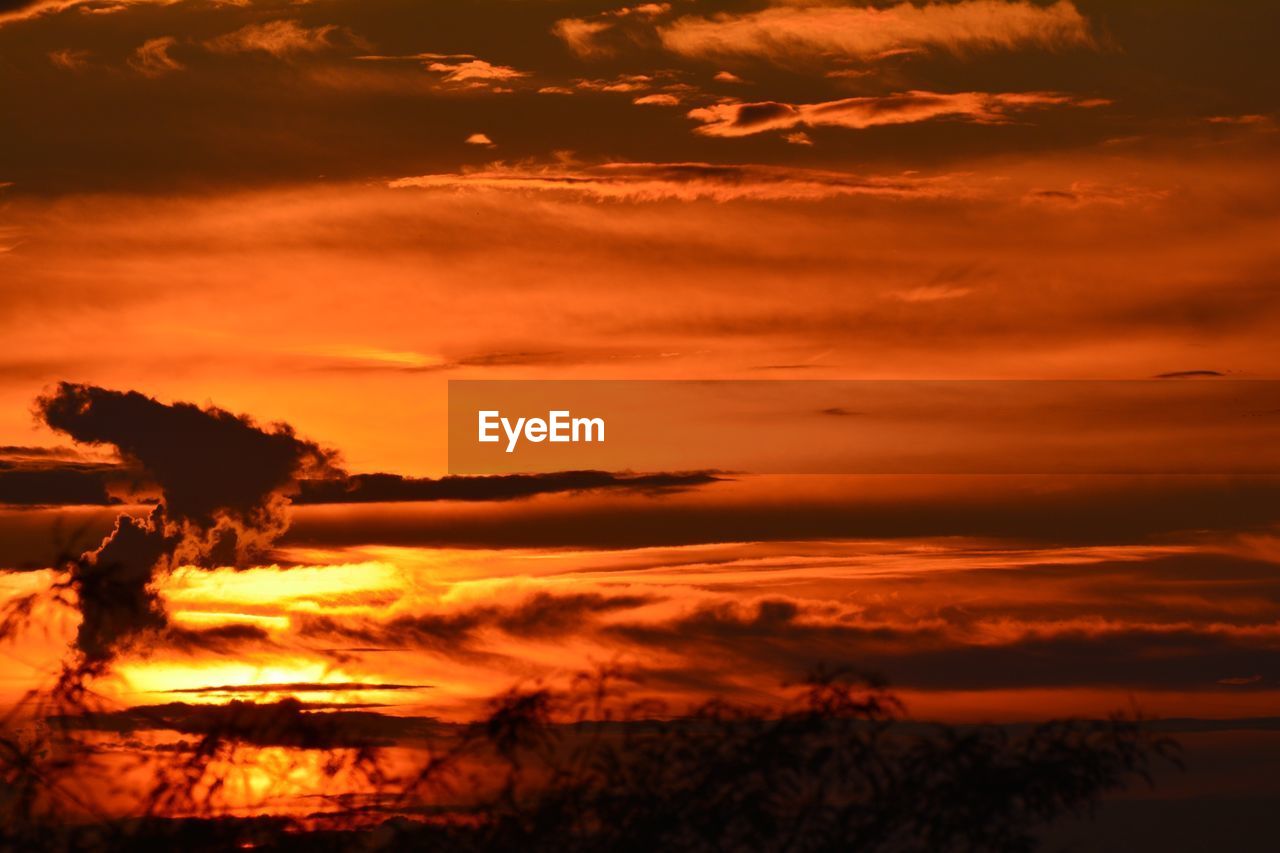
{"points": [[834, 767]]}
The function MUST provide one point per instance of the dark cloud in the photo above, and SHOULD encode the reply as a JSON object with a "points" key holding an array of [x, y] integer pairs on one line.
{"points": [[778, 636], [209, 463], [751, 115], [113, 586], [302, 687], [11, 452], [222, 480], [1189, 374], [288, 722], [221, 639], [377, 488], [61, 484], [1039, 509], [539, 616]]}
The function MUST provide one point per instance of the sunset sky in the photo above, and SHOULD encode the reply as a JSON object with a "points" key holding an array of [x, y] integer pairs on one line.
{"points": [[317, 212]]}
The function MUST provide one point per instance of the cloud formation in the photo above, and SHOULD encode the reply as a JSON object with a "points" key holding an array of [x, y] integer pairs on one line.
{"points": [[222, 479], [733, 118], [604, 34], [392, 488], [152, 58], [802, 31], [212, 466], [683, 181], [280, 39], [473, 71]]}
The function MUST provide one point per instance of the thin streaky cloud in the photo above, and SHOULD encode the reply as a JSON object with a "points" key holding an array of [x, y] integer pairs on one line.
{"points": [[793, 31], [280, 39], [745, 119], [684, 181]]}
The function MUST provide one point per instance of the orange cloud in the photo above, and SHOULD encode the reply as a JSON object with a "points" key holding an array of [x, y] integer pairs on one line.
{"points": [[742, 119], [795, 31], [68, 59], [580, 35], [24, 10], [474, 71], [659, 100], [583, 36], [278, 38], [684, 181], [152, 59]]}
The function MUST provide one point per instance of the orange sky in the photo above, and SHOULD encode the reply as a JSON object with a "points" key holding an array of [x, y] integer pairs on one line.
{"points": [[317, 214]]}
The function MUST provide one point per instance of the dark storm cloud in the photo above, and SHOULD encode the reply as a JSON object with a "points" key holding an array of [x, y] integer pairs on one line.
{"points": [[207, 462], [113, 586], [222, 480]]}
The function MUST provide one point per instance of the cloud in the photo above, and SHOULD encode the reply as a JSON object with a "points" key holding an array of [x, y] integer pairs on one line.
{"points": [[392, 488], [302, 687], [657, 100], [287, 722], [479, 139], [778, 635], [68, 59], [685, 181], [580, 35], [152, 59], [231, 638], [222, 479], [457, 632], [798, 31], [46, 483], [12, 11], [603, 34], [1189, 374], [473, 71], [210, 464], [1024, 509], [1085, 193], [732, 118], [280, 39], [113, 587], [623, 82]]}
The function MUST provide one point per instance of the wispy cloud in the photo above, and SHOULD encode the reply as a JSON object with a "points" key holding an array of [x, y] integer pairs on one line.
{"points": [[24, 10], [152, 58], [600, 35], [686, 181], [68, 59], [474, 71], [280, 39], [815, 30], [732, 118]]}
